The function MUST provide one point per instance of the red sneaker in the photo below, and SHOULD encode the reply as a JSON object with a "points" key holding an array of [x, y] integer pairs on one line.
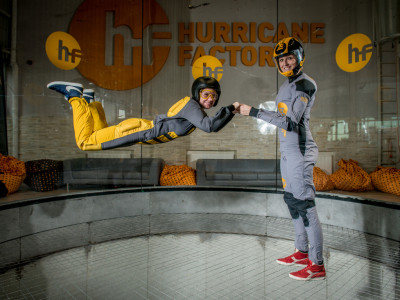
{"points": [[311, 272], [297, 258]]}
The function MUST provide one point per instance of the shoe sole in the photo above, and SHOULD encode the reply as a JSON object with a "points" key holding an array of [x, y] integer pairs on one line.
{"points": [[64, 83], [306, 279]]}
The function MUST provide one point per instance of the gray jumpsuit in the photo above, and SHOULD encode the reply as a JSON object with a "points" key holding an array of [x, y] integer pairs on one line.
{"points": [[189, 117], [299, 154]]}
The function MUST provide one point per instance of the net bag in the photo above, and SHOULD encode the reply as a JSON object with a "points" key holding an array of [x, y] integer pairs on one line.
{"points": [[44, 175], [178, 175], [12, 173], [322, 181], [386, 179], [350, 177]]}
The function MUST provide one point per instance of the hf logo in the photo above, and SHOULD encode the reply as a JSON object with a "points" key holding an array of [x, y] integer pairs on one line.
{"points": [[354, 52], [110, 33], [207, 66], [63, 50]]}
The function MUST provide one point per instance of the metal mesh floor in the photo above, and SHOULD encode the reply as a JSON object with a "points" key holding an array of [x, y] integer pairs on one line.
{"points": [[209, 266]]}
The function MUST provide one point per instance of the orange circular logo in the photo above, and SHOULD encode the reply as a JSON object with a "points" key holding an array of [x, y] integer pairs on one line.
{"points": [[282, 108], [207, 66], [63, 50], [110, 35], [354, 52]]}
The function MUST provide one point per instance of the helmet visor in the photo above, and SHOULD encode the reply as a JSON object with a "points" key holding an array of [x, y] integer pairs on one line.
{"points": [[296, 53]]}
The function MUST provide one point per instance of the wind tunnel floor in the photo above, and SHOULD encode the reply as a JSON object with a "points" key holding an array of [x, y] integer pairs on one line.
{"points": [[209, 266]]}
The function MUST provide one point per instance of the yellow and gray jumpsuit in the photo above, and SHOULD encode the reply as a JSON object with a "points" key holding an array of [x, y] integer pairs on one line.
{"points": [[299, 154], [93, 133]]}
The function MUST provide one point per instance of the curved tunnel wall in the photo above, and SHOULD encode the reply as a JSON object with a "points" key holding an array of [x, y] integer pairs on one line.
{"points": [[39, 226]]}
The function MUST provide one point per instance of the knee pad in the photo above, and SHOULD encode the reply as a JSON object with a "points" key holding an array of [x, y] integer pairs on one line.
{"points": [[298, 207]]}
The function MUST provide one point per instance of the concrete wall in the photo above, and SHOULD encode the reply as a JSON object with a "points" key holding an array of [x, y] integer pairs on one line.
{"points": [[39, 226]]}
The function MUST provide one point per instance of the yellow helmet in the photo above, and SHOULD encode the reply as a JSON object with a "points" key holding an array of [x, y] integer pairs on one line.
{"points": [[289, 46]]}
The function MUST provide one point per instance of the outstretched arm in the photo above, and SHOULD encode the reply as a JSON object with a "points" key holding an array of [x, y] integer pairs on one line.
{"points": [[295, 110], [195, 115]]}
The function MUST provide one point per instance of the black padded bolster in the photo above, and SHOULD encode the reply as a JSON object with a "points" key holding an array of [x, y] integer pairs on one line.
{"points": [[305, 86]]}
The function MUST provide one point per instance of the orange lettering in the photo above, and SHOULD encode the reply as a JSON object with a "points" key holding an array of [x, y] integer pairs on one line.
{"points": [[221, 30], [266, 56], [183, 55], [300, 34], [253, 32], [233, 50], [199, 31], [199, 53], [253, 56], [261, 31], [239, 29], [183, 32], [316, 31], [281, 32], [214, 49]]}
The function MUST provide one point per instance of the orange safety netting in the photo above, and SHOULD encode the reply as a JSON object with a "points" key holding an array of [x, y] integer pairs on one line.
{"points": [[322, 181], [350, 177], [12, 172], [386, 179], [178, 175]]}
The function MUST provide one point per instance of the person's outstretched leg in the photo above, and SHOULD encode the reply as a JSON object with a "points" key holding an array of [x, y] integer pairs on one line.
{"points": [[98, 114], [86, 137], [82, 117]]}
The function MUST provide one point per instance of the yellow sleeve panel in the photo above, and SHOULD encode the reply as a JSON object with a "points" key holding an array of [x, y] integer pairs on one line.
{"points": [[177, 107]]}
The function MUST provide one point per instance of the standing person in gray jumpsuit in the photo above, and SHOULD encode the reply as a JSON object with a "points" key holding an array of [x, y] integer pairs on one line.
{"points": [[299, 154]]}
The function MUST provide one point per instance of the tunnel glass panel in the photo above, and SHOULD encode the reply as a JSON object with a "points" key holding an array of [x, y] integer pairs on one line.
{"points": [[212, 147], [140, 57], [124, 181]]}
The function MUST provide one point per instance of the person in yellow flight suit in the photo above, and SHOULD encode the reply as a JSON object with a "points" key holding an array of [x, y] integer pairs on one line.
{"points": [[93, 133]]}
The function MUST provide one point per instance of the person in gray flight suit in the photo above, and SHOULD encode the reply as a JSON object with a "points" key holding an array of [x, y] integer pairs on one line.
{"points": [[299, 154]]}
